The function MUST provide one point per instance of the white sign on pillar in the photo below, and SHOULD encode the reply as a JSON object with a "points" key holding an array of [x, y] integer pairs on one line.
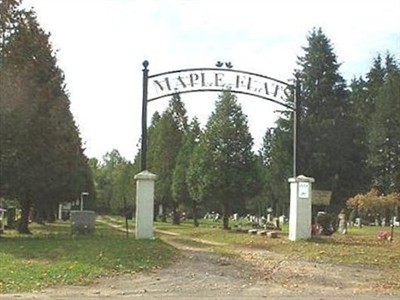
{"points": [[145, 205], [304, 190], [300, 208]]}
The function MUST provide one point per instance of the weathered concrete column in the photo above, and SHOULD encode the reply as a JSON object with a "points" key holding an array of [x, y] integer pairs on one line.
{"points": [[144, 204], [300, 208]]}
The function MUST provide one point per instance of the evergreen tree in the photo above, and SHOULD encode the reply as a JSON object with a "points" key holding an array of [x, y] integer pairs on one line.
{"points": [[326, 145], [180, 191], [225, 158], [384, 128], [276, 156], [151, 141], [375, 108], [9, 18], [42, 161], [166, 140], [363, 98], [375, 80], [361, 108]]}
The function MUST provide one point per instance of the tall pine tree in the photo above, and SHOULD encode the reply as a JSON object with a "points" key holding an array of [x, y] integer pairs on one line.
{"points": [[164, 145], [384, 126], [327, 145], [42, 160], [180, 190], [226, 160]]}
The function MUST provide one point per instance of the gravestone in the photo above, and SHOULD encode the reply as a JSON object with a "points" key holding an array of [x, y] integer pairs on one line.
{"points": [[83, 222]]}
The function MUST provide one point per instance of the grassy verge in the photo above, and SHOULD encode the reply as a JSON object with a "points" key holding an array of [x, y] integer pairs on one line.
{"points": [[52, 256]]}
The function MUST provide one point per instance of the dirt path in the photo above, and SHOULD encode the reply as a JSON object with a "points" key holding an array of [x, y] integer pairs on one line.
{"points": [[201, 274]]}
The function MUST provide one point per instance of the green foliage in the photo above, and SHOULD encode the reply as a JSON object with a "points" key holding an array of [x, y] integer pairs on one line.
{"points": [[362, 106], [225, 158], [9, 17], [276, 156], [115, 187], [151, 141], [198, 166], [326, 119], [180, 189], [168, 144], [331, 143], [41, 156], [376, 115], [165, 140], [384, 130]]}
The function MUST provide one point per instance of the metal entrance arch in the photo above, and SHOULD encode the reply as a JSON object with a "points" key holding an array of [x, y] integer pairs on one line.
{"points": [[219, 79]]}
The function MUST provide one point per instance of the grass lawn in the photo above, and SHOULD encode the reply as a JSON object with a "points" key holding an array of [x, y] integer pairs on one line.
{"points": [[52, 256]]}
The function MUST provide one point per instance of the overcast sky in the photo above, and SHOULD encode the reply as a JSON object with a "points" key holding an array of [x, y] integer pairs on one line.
{"points": [[101, 45]]}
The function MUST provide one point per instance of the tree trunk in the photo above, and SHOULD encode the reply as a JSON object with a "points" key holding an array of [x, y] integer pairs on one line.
{"points": [[50, 213], [163, 214], [155, 212], [39, 216], [194, 207], [24, 221], [163, 217], [225, 216], [176, 218]]}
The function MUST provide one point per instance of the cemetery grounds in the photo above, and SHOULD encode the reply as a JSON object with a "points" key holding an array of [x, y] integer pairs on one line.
{"points": [[209, 263]]}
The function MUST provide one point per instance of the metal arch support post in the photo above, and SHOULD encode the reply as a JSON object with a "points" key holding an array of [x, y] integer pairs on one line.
{"points": [[296, 123], [143, 163]]}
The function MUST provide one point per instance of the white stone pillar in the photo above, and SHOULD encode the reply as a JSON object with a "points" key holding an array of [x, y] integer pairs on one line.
{"points": [[144, 205], [300, 208]]}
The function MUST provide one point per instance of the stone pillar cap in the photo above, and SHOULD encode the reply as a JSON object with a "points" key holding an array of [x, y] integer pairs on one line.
{"points": [[145, 175], [302, 178]]}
